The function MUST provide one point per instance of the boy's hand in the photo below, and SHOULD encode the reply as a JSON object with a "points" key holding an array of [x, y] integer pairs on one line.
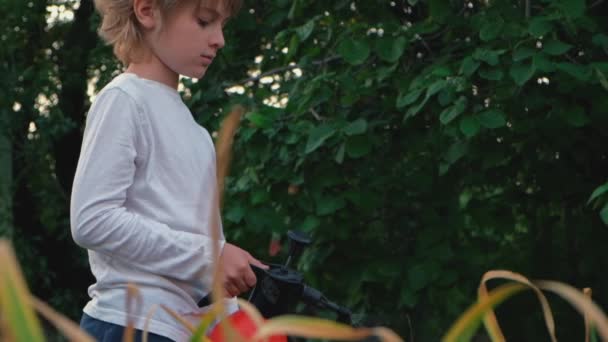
{"points": [[238, 277]]}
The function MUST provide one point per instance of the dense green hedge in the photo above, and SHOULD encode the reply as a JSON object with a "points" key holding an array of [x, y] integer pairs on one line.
{"points": [[423, 143]]}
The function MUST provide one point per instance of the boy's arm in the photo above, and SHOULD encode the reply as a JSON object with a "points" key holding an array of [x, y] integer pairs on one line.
{"points": [[99, 219]]}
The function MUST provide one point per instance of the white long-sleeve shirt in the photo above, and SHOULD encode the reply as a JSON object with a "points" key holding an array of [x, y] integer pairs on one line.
{"points": [[142, 204]]}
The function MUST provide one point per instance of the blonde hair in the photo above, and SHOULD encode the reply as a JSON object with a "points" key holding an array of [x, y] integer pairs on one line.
{"points": [[120, 28]]}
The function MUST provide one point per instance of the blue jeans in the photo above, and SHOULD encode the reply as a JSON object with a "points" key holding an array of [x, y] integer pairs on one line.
{"points": [[110, 332]]}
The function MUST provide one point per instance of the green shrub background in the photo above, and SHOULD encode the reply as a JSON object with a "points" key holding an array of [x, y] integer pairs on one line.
{"points": [[422, 143]]}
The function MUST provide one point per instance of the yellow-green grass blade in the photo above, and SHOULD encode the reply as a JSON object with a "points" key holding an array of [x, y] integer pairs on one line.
{"points": [[133, 304], [68, 328], [151, 312], [210, 316], [317, 328], [179, 318], [18, 315], [597, 318], [490, 321], [206, 321], [468, 323]]}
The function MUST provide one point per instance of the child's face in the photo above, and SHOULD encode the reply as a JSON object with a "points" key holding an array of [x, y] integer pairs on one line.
{"points": [[190, 37]]}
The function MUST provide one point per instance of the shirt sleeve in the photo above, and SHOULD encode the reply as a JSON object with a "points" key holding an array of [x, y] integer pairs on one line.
{"points": [[99, 219]]}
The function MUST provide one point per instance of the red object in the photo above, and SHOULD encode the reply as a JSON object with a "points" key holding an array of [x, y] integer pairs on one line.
{"points": [[244, 325], [275, 247]]}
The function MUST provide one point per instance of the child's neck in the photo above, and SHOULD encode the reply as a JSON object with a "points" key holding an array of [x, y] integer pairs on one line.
{"points": [[156, 71]]}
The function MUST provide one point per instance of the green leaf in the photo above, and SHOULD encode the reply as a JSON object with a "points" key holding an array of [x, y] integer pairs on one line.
{"points": [[438, 9], [436, 87], [575, 116], [491, 57], [433, 89], [294, 44], [259, 119], [602, 78], [318, 135], [543, 64], [358, 126], [293, 9], [491, 29], [358, 146], [523, 53], [539, 27], [235, 213], [604, 214], [446, 96], [353, 51], [458, 150], [580, 72], [555, 47], [572, 8], [492, 118], [408, 297], [305, 30], [390, 49], [407, 98], [259, 196], [600, 40], [417, 277], [469, 66], [340, 153], [329, 205], [450, 113], [522, 72], [470, 126], [310, 223], [491, 74], [598, 192]]}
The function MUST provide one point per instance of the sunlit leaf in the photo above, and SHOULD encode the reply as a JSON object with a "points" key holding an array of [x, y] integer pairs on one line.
{"points": [[466, 325], [490, 320], [578, 300], [321, 329]]}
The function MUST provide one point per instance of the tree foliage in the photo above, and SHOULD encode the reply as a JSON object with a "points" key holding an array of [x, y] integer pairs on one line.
{"points": [[420, 142]]}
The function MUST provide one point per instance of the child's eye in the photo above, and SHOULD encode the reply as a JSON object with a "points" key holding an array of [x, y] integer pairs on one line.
{"points": [[202, 23]]}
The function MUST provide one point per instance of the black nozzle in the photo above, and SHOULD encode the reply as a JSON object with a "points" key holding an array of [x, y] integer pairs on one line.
{"points": [[297, 242]]}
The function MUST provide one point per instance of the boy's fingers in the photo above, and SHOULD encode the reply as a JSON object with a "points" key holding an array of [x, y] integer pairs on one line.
{"points": [[258, 263], [231, 290], [241, 285], [250, 278]]}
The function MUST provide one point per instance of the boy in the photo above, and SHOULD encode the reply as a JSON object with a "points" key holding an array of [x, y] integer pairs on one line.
{"points": [[142, 200]]}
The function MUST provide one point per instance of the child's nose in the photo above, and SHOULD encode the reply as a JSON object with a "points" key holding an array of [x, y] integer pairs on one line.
{"points": [[218, 38]]}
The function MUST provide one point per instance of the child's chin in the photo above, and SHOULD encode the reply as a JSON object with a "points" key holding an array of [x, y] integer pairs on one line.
{"points": [[197, 74]]}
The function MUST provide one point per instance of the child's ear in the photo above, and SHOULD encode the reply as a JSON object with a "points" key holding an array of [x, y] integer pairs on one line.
{"points": [[145, 12]]}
